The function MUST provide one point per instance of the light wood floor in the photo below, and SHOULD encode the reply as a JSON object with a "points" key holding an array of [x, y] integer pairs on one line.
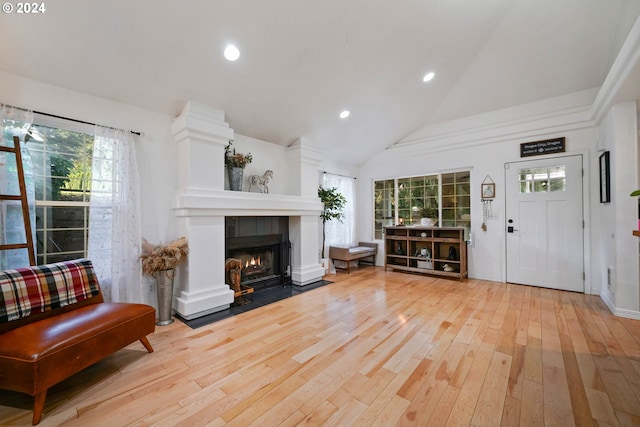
{"points": [[373, 348]]}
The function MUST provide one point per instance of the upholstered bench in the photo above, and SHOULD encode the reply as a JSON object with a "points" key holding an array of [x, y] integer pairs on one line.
{"points": [[54, 323], [363, 252]]}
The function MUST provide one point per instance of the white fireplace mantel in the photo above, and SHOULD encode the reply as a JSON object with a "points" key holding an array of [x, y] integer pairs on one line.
{"points": [[206, 202], [201, 205]]}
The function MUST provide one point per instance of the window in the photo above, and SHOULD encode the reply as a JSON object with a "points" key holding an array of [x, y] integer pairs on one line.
{"points": [[456, 199], [401, 200], [61, 161], [384, 205], [341, 232], [542, 180], [85, 182]]}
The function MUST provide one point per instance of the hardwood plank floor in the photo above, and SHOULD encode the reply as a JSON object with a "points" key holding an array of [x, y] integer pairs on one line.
{"points": [[374, 348]]}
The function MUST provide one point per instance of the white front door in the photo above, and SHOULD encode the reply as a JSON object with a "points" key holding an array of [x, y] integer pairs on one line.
{"points": [[544, 221]]}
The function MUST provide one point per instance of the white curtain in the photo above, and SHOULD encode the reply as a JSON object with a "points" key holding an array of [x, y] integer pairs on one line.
{"points": [[341, 232], [15, 122], [114, 216]]}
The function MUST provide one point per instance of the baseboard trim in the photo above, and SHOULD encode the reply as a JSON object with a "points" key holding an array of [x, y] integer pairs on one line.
{"points": [[620, 312]]}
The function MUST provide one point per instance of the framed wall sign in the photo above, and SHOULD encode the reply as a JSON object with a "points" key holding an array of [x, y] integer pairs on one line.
{"points": [[605, 179], [538, 148]]}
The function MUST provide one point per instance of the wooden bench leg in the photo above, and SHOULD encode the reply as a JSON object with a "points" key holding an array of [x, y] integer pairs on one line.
{"points": [[38, 406], [146, 344]]}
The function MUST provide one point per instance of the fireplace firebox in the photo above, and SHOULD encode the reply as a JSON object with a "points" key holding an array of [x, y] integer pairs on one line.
{"points": [[265, 258]]}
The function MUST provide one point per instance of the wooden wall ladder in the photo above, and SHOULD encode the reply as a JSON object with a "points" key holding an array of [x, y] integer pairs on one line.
{"points": [[22, 197]]}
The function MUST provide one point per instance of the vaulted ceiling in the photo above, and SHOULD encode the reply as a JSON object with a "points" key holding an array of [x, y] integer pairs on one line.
{"points": [[304, 61]]}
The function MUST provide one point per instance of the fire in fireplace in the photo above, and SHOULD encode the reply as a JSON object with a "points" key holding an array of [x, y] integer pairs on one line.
{"points": [[262, 246], [264, 259], [256, 264]]}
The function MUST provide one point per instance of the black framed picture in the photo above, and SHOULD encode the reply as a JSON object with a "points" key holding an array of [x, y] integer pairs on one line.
{"points": [[605, 179]]}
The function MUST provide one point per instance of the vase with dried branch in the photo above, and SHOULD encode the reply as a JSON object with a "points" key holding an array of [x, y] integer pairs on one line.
{"points": [[160, 261]]}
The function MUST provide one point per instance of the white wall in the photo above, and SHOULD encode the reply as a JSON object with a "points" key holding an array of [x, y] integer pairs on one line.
{"points": [[266, 156], [484, 145], [616, 247]]}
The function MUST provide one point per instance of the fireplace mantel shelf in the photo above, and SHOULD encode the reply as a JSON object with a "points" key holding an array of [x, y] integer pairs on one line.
{"points": [[201, 205], [197, 202]]}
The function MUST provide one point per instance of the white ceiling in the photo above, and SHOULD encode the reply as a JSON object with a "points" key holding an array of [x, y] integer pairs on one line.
{"points": [[304, 61]]}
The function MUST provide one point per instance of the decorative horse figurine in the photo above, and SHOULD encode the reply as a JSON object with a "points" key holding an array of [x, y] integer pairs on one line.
{"points": [[261, 181]]}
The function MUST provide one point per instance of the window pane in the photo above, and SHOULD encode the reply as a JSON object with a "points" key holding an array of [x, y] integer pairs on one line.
{"points": [[65, 217], [448, 178], [384, 205], [539, 186], [417, 181], [13, 230], [405, 215], [62, 173], [543, 179], [557, 184], [463, 177], [65, 241]]}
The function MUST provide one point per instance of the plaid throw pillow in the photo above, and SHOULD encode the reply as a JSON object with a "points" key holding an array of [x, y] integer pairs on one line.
{"points": [[45, 287]]}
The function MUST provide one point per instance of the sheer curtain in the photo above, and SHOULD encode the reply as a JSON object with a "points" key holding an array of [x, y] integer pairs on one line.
{"points": [[15, 122], [114, 216], [341, 233]]}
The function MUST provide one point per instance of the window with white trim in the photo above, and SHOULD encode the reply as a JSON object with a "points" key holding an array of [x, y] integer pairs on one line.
{"points": [[61, 161], [401, 200]]}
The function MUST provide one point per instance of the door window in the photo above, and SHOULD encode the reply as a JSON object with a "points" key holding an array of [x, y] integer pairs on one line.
{"points": [[542, 179]]}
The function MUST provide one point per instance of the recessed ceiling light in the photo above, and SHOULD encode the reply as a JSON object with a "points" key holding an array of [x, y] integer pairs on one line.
{"points": [[231, 52], [428, 76], [344, 114]]}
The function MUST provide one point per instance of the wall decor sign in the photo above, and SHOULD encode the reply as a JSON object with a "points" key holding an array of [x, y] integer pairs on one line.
{"points": [[538, 148], [605, 180]]}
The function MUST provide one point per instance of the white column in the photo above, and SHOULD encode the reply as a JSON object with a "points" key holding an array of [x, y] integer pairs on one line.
{"points": [[203, 289], [303, 230], [201, 134]]}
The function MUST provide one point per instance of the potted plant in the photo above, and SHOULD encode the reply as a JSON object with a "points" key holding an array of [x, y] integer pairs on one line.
{"points": [[235, 163], [428, 216], [160, 261], [333, 204]]}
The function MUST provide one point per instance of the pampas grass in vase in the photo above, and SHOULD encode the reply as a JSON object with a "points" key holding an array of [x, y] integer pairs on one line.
{"points": [[161, 257]]}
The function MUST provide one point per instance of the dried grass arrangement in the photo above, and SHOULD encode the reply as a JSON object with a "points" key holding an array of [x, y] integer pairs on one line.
{"points": [[235, 160], [163, 257]]}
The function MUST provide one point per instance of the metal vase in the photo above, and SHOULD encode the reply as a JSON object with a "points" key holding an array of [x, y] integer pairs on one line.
{"points": [[164, 292], [235, 178]]}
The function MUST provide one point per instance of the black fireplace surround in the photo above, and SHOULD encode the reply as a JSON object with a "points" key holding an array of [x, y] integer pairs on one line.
{"points": [[262, 245]]}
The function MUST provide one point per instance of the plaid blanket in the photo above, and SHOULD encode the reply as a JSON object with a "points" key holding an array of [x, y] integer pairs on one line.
{"points": [[37, 289]]}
